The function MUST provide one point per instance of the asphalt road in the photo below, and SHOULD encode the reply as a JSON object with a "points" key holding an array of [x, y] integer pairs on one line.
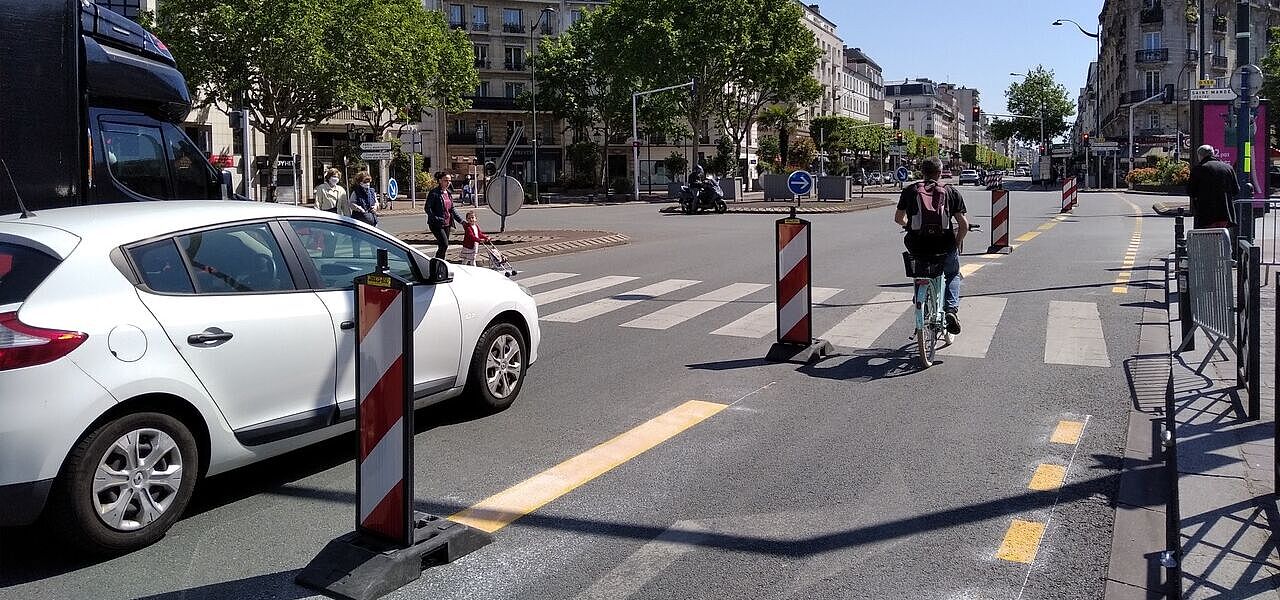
{"points": [[861, 476]]}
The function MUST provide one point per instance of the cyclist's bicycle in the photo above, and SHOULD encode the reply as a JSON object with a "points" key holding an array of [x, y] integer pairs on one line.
{"points": [[930, 285]]}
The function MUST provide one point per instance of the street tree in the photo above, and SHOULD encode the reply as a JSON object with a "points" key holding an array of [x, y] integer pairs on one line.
{"points": [[769, 153], [287, 63], [1037, 94], [781, 118], [408, 60], [1270, 64]]}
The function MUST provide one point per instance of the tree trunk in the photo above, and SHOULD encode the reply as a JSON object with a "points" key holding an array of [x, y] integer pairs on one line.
{"points": [[275, 139], [784, 146]]}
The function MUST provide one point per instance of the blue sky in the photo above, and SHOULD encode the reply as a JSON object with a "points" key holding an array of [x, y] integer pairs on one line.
{"points": [[975, 43]]}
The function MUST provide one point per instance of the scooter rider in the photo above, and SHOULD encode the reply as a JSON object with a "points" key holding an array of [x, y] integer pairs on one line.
{"points": [[697, 179]]}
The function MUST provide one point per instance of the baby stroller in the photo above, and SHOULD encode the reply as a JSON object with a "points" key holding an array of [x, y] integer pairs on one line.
{"points": [[498, 262]]}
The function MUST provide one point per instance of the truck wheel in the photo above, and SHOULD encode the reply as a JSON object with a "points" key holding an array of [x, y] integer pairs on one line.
{"points": [[498, 367], [123, 485]]}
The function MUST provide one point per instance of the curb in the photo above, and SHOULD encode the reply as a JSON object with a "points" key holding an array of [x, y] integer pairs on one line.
{"points": [[784, 208]]}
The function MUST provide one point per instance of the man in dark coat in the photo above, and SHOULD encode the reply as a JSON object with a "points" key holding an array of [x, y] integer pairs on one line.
{"points": [[1213, 189]]}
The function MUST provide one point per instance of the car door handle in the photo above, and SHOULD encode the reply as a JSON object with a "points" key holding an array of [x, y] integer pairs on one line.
{"points": [[209, 337], [348, 325]]}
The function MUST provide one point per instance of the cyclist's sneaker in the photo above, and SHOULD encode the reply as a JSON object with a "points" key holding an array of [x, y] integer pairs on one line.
{"points": [[953, 323]]}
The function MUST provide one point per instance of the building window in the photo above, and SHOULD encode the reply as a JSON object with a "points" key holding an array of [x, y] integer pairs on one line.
{"points": [[513, 58], [482, 90], [459, 126], [455, 15], [1151, 40], [482, 56], [1153, 82], [127, 8], [513, 20], [575, 15], [1155, 120], [480, 18], [514, 89]]}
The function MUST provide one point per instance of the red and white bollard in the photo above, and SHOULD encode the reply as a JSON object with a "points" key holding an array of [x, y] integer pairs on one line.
{"points": [[999, 220], [792, 299], [391, 543], [1069, 194]]}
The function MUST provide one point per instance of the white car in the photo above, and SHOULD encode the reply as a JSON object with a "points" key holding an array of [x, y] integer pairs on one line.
{"points": [[969, 176], [146, 345]]}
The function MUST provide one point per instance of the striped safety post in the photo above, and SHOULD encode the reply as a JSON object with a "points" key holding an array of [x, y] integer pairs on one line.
{"points": [[384, 409], [1069, 194], [794, 279], [392, 543], [792, 299], [999, 220]]}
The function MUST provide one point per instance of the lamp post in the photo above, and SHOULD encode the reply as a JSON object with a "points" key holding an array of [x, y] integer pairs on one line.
{"points": [[1096, 117], [533, 92]]}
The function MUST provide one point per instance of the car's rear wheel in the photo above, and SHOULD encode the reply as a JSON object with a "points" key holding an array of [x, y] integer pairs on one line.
{"points": [[125, 483], [498, 367]]}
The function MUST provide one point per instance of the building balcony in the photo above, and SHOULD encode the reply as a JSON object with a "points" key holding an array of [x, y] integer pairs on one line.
{"points": [[455, 137], [1150, 131], [513, 65], [1220, 62], [353, 115], [1152, 16], [457, 25], [493, 103], [1220, 25], [483, 63], [480, 26], [512, 28], [1151, 55], [1138, 95]]}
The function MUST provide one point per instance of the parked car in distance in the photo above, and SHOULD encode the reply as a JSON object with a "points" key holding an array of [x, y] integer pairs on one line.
{"points": [[144, 346], [969, 176]]}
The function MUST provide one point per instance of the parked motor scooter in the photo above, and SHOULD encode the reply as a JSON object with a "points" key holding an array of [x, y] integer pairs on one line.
{"points": [[708, 197]]}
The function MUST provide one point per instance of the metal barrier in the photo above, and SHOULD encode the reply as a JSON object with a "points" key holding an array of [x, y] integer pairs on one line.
{"points": [[1180, 271], [1248, 327], [1212, 305], [1263, 229]]}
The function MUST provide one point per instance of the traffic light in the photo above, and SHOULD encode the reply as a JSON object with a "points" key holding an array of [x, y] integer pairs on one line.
{"points": [[977, 113], [1085, 138], [490, 169], [235, 119], [1167, 94], [897, 137]]}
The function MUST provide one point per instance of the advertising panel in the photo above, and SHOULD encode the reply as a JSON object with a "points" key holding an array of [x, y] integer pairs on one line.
{"points": [[1211, 124]]}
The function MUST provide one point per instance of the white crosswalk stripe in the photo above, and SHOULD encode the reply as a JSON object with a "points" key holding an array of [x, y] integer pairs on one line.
{"points": [[981, 315], [544, 278], [579, 289], [1074, 335], [764, 320], [680, 312], [870, 321], [583, 312]]}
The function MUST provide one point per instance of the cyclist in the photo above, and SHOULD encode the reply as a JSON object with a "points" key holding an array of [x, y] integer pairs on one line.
{"points": [[925, 211]]}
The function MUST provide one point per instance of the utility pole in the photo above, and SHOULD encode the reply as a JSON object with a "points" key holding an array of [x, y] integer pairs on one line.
{"points": [[1244, 143]]}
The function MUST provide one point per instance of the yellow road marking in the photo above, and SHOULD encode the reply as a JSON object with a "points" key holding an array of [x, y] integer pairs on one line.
{"points": [[970, 268], [1048, 477], [1047, 226], [499, 510], [1060, 218], [1027, 237], [1067, 432], [1021, 541], [1120, 289]]}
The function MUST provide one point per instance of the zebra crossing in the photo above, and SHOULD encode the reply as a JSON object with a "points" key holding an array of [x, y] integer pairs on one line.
{"points": [[1073, 331]]}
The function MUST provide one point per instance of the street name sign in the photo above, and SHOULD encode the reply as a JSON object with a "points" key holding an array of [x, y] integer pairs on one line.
{"points": [[1105, 145], [1213, 94], [375, 145], [897, 150], [800, 182], [379, 155]]}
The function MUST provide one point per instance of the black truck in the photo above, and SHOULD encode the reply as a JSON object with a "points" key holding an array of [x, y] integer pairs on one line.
{"points": [[91, 107]]}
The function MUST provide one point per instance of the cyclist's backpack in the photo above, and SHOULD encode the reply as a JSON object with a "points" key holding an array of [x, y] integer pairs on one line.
{"points": [[933, 215]]}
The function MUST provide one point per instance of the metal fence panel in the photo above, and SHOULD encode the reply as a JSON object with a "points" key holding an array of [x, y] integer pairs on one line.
{"points": [[1209, 269], [1248, 327]]}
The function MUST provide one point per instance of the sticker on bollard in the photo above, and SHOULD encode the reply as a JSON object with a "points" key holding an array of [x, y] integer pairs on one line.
{"points": [[999, 221], [1069, 194], [392, 543], [792, 299]]}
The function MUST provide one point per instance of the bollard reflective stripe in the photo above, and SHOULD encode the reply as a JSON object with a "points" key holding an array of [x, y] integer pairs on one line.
{"points": [[384, 479], [1069, 194], [999, 220], [794, 273]]}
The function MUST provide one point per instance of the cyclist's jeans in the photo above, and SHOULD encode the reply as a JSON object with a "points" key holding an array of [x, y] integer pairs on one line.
{"points": [[951, 270]]}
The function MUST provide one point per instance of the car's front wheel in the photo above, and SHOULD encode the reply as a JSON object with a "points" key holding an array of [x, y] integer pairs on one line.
{"points": [[498, 367], [125, 483]]}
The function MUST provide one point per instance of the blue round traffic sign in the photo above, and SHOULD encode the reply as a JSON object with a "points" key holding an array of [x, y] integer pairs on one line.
{"points": [[902, 173], [393, 188], [800, 182]]}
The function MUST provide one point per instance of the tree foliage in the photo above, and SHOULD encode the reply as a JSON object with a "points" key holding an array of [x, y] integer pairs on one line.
{"points": [[1270, 64], [1037, 94]]}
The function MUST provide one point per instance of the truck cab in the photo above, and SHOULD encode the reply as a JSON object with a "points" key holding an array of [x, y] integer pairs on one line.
{"points": [[93, 111]]}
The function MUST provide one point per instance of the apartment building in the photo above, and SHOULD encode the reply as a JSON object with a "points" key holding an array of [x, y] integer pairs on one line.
{"points": [[1146, 44], [927, 108], [830, 68], [864, 92], [970, 131]]}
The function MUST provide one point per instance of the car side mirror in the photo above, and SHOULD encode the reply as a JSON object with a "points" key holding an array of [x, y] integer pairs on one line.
{"points": [[432, 270]]}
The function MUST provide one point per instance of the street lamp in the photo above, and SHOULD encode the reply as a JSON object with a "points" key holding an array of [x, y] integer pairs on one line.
{"points": [[533, 92], [1097, 107]]}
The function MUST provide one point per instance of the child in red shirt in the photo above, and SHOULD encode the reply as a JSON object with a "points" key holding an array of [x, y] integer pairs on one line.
{"points": [[470, 235]]}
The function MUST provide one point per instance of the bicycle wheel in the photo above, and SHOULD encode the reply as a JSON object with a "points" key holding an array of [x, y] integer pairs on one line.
{"points": [[924, 347]]}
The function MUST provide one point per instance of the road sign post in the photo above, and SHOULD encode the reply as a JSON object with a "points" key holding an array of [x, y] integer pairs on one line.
{"points": [[392, 543], [799, 183]]}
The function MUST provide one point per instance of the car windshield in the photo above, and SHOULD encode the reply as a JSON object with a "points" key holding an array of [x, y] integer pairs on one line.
{"points": [[22, 268]]}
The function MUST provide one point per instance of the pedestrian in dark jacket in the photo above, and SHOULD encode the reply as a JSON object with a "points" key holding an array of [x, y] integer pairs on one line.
{"points": [[1213, 189], [364, 201], [441, 215]]}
